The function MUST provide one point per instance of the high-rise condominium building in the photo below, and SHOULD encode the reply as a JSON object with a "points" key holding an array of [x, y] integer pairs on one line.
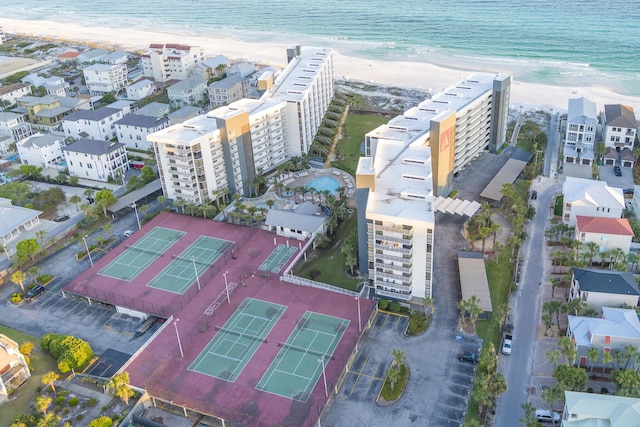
{"points": [[409, 161], [165, 62]]}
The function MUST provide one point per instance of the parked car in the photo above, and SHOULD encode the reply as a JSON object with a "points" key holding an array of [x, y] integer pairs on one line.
{"points": [[506, 344], [127, 233], [546, 416], [33, 292], [617, 170], [534, 195], [467, 356]]}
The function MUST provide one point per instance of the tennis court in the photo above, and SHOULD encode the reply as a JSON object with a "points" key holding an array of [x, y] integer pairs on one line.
{"points": [[299, 363], [139, 256], [237, 340], [180, 273], [277, 259]]}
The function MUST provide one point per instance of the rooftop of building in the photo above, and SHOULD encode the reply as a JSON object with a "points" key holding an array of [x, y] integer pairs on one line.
{"points": [[93, 146], [620, 116], [615, 322], [141, 121], [102, 67], [606, 281], [12, 87], [11, 217], [581, 110], [40, 140], [600, 410], [93, 115], [141, 84], [590, 224], [294, 80], [188, 83], [227, 82], [187, 131], [589, 192]]}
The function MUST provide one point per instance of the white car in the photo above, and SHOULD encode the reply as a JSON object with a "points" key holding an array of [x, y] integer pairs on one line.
{"points": [[546, 416], [127, 233]]}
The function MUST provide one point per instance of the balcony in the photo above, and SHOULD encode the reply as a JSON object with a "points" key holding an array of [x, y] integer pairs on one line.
{"points": [[404, 278], [392, 239], [392, 269], [396, 295]]}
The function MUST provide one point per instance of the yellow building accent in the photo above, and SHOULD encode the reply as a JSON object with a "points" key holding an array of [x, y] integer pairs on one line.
{"points": [[443, 136]]}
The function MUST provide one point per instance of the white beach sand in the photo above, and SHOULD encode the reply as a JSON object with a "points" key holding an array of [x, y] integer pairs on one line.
{"points": [[419, 75]]}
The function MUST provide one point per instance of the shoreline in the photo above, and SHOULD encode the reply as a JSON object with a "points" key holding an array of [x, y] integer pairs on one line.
{"points": [[408, 74]]}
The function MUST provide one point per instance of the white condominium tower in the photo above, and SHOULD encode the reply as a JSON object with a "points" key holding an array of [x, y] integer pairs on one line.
{"points": [[408, 162], [164, 62]]}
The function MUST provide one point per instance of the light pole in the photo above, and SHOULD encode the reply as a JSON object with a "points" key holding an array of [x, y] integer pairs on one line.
{"points": [[178, 335], [324, 377], [84, 239], [359, 321], [196, 270], [135, 208], [226, 285]]}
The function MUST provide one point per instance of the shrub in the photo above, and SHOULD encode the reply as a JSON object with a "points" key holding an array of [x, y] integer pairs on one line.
{"points": [[71, 352], [383, 304], [589, 389], [92, 402], [16, 298], [45, 278], [74, 401], [418, 323], [314, 274], [64, 393], [395, 306], [26, 348], [79, 417], [101, 422], [60, 400], [604, 390], [394, 393]]}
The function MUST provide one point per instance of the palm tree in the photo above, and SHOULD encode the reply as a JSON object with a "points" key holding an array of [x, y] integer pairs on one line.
{"points": [[633, 259], [108, 227], [592, 356], [19, 277], [120, 385], [162, 200], [49, 379], [427, 302], [75, 199], [553, 356], [270, 203], [607, 358], [33, 272], [41, 403], [399, 357], [40, 235], [592, 249]]}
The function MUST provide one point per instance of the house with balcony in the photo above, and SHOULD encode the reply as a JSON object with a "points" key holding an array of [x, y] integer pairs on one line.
{"points": [[54, 85], [91, 56], [15, 220], [9, 94], [228, 90], [580, 137], [42, 150], [607, 233], [164, 62], [14, 369], [190, 91], [94, 124], [132, 130], [617, 329], [116, 57], [620, 132], [15, 126], [46, 112], [96, 160], [105, 78], [141, 89], [587, 197], [215, 67], [604, 288], [599, 410]]}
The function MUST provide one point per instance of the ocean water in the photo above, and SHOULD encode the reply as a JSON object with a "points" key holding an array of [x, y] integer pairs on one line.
{"points": [[558, 42]]}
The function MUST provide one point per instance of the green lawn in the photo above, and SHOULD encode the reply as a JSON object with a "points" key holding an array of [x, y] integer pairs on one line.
{"points": [[348, 149], [331, 262], [557, 209], [41, 363]]}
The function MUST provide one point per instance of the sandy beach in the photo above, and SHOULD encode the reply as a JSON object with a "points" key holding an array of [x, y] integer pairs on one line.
{"points": [[408, 74]]}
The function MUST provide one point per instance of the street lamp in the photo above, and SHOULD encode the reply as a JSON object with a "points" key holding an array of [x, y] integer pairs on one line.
{"points": [[175, 324], [324, 377], [226, 285], [135, 208], [196, 270], [84, 239]]}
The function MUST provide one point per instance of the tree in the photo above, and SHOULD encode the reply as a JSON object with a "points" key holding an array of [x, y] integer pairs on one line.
{"points": [[105, 198], [134, 183], [74, 180], [144, 208], [162, 200], [102, 421], [147, 174], [607, 358], [108, 98], [41, 403], [572, 378], [19, 277], [75, 199], [33, 272], [27, 248], [71, 352], [575, 306], [120, 385], [427, 303], [568, 349], [592, 249], [627, 382], [552, 394], [399, 357], [49, 379], [529, 419], [547, 319], [593, 354], [108, 228], [31, 171], [40, 235], [553, 307], [474, 310], [553, 356]]}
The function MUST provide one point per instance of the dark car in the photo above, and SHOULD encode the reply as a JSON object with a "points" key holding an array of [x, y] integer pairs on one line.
{"points": [[534, 195], [33, 292], [467, 356], [617, 170]]}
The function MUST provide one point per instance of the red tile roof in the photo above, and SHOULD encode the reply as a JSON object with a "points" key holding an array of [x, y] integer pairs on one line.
{"points": [[68, 55], [590, 224]]}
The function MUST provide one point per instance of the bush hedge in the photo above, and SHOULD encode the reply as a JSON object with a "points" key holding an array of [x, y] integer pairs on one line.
{"points": [[394, 393], [101, 422], [383, 304], [418, 323], [395, 306], [74, 401], [71, 352]]}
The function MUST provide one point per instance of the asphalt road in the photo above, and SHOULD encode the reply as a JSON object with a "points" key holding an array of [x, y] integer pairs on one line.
{"points": [[525, 317]]}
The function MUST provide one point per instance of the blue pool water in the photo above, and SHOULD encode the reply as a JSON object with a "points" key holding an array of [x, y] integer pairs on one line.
{"points": [[265, 206], [324, 183], [63, 164], [13, 158]]}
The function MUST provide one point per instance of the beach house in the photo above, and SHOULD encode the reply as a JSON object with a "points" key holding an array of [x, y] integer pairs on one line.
{"points": [[42, 150], [105, 78], [15, 126], [14, 220], [580, 137], [140, 89], [164, 62], [620, 134], [94, 124], [593, 409], [228, 90], [53, 85], [96, 160], [132, 130], [587, 197], [190, 91], [607, 233], [9, 94], [46, 112], [604, 288]]}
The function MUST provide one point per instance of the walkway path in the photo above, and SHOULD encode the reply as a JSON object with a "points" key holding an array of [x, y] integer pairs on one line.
{"points": [[337, 137]]}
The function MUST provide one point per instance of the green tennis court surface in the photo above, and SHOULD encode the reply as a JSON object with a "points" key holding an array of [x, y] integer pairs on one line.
{"points": [[277, 259], [237, 340], [180, 274], [298, 365], [137, 257]]}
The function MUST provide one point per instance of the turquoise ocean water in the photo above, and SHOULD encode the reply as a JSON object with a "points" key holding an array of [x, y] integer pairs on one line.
{"points": [[558, 42]]}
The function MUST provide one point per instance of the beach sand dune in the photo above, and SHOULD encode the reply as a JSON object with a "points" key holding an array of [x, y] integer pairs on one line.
{"points": [[418, 75]]}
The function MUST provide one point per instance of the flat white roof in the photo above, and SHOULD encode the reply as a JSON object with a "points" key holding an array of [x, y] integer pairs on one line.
{"points": [[294, 80], [187, 131]]}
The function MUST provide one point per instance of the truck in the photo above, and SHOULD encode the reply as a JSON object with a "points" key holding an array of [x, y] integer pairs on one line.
{"points": [[506, 344]]}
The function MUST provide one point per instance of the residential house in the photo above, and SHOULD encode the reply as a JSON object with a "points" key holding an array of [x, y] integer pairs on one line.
{"points": [[617, 329], [141, 89], [105, 78], [190, 91], [215, 67], [94, 124], [132, 130], [620, 131], [127, 107], [604, 288], [92, 55], [42, 150], [9, 94], [54, 85], [580, 138], [117, 57], [14, 369], [164, 62], [67, 57], [305, 221], [607, 233], [156, 109], [599, 410], [96, 160], [14, 220], [241, 69], [183, 114], [228, 90], [588, 197], [14, 125], [46, 112]]}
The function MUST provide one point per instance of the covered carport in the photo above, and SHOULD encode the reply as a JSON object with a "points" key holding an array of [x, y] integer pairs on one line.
{"points": [[473, 279], [129, 199], [507, 175]]}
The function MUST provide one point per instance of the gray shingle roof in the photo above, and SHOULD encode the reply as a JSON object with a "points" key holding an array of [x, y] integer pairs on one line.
{"points": [[93, 146], [40, 140], [228, 82], [95, 115], [611, 282], [294, 221], [141, 121], [620, 116]]}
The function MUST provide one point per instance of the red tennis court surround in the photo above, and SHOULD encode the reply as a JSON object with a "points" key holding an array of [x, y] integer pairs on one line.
{"points": [[164, 373]]}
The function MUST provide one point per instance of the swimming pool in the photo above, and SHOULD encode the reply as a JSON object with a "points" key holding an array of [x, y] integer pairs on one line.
{"points": [[13, 157], [322, 183], [265, 206]]}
